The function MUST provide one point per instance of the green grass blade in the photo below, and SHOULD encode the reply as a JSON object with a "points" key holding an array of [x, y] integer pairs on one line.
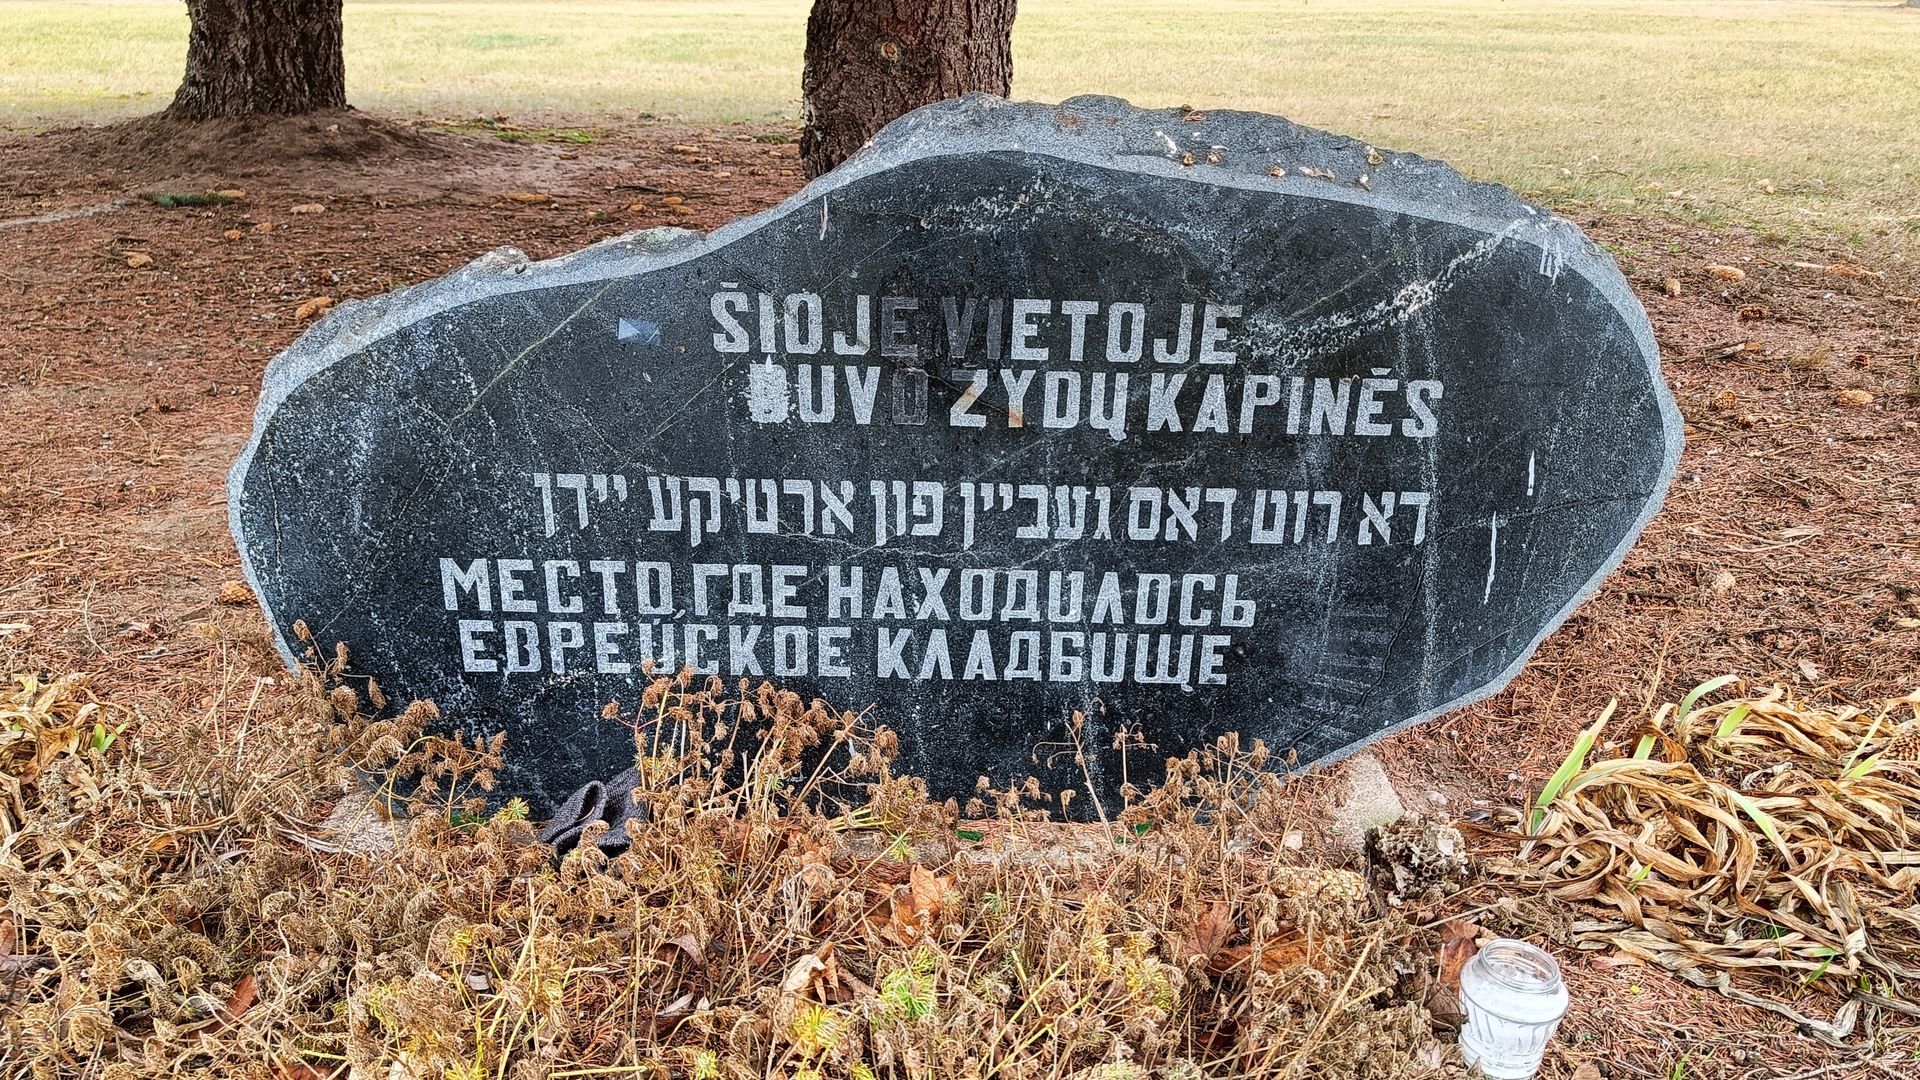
{"points": [[1730, 723], [1862, 767], [1763, 819], [1582, 746], [1867, 766], [1693, 696]]}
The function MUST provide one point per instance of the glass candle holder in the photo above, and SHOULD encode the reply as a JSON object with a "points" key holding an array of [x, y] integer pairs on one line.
{"points": [[1514, 998]]}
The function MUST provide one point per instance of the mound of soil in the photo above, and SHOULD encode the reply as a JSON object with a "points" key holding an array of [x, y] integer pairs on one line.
{"points": [[164, 147]]}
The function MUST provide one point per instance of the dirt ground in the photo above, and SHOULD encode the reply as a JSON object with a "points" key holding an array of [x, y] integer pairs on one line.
{"points": [[133, 336]]}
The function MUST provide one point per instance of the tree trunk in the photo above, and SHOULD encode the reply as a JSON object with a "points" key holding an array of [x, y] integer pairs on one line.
{"points": [[870, 61], [255, 57]]}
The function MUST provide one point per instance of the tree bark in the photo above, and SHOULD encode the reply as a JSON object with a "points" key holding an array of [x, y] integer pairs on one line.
{"points": [[261, 57], [870, 61]]}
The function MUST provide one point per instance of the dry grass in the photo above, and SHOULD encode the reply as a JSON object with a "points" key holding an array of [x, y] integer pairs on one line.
{"points": [[1795, 116], [791, 910], [1764, 848]]}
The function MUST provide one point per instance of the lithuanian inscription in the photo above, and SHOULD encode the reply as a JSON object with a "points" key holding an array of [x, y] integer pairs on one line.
{"points": [[1193, 424]]}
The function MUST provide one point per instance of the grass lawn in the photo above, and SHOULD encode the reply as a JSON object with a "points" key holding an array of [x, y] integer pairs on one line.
{"points": [[1795, 115]]}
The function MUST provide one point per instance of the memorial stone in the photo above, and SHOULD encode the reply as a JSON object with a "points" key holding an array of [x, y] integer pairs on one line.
{"points": [[1193, 423]]}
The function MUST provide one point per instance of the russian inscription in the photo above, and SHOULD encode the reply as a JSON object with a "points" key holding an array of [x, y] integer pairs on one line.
{"points": [[1018, 413]]}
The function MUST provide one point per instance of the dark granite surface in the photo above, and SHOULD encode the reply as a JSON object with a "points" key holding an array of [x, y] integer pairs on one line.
{"points": [[1023, 410]]}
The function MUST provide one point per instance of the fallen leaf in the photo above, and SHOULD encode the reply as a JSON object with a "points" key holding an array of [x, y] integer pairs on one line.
{"points": [[1458, 943], [139, 260], [1753, 312], [1286, 950], [1588, 1070], [1211, 931], [636, 207], [1853, 398], [233, 234], [684, 1005], [1671, 286], [235, 592], [1808, 668], [263, 227], [672, 200], [307, 208], [313, 308], [530, 198], [1374, 158], [814, 967], [244, 993], [1723, 582], [684, 149], [929, 892], [1727, 273], [689, 944], [232, 193]]}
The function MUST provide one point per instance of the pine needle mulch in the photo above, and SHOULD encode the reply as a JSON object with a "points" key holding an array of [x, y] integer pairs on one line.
{"points": [[1761, 847]]}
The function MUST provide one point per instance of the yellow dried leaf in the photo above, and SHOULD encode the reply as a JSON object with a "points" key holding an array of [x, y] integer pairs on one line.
{"points": [[1853, 398], [263, 227], [307, 208], [232, 193], [1672, 286], [313, 308], [233, 234], [139, 260], [1727, 273]]}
